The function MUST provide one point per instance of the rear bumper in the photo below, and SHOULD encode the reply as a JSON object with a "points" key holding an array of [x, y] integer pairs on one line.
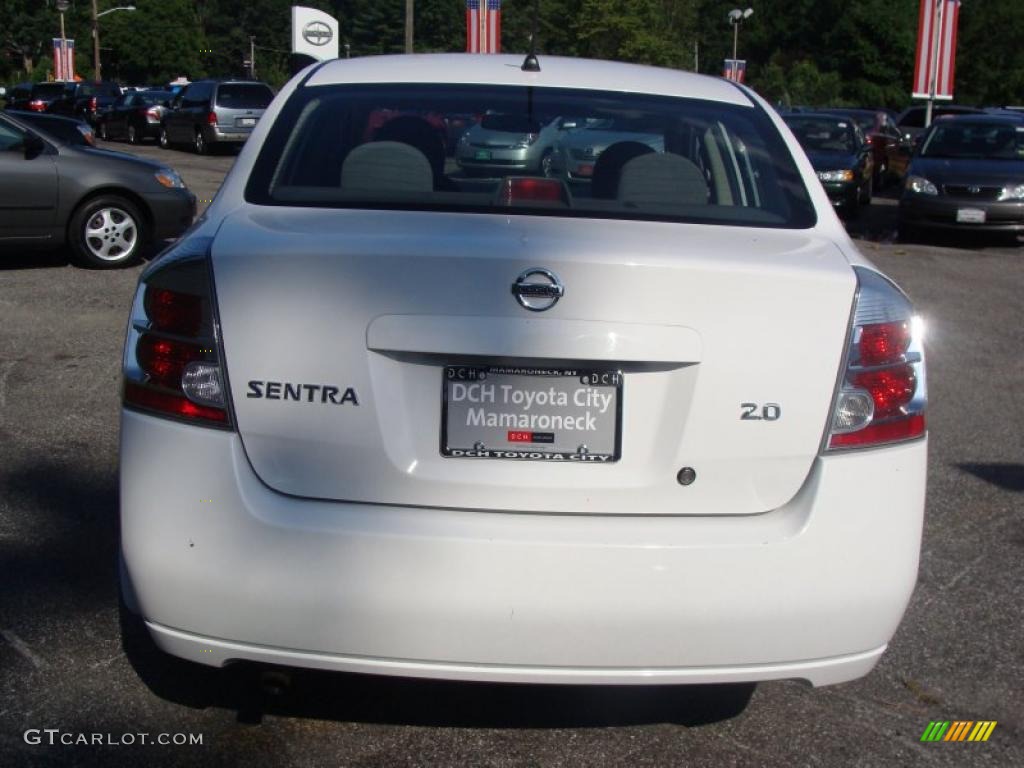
{"points": [[221, 135], [842, 194], [224, 569], [941, 213]]}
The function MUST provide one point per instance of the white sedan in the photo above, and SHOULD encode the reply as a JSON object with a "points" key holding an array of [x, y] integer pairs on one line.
{"points": [[664, 428]]}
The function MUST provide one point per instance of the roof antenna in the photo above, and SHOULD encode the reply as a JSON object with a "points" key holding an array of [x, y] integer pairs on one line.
{"points": [[530, 63]]}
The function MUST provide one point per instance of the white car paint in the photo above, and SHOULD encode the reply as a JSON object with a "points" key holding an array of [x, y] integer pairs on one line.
{"points": [[339, 538]]}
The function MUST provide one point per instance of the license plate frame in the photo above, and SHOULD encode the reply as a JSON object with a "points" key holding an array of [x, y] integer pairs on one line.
{"points": [[592, 385], [246, 122], [970, 216]]}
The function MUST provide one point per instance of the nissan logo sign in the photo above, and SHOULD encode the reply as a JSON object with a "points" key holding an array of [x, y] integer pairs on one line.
{"points": [[317, 33]]}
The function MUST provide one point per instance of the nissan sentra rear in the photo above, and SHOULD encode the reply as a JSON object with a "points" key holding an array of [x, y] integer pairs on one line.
{"points": [[665, 425]]}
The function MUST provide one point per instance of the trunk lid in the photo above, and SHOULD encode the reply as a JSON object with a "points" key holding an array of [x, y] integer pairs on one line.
{"points": [[373, 305]]}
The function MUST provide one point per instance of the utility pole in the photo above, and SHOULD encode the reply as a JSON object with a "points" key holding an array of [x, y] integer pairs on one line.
{"points": [[408, 25], [97, 75], [933, 71], [252, 57]]}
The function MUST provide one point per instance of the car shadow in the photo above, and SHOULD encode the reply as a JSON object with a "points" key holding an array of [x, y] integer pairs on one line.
{"points": [[1009, 477], [51, 258], [24, 258], [254, 691]]}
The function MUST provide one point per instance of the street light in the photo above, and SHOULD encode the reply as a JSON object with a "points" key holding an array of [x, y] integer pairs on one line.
{"points": [[735, 17], [96, 13]]}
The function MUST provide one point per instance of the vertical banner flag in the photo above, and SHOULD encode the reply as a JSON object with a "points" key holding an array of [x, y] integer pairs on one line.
{"points": [[936, 49], [63, 59], [483, 26], [735, 70]]}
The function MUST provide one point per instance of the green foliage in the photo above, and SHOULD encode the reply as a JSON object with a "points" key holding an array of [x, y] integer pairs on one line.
{"points": [[858, 52]]}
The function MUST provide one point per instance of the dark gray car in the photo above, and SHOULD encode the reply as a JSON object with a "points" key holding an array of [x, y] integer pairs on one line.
{"points": [[214, 112], [967, 175], [108, 206]]}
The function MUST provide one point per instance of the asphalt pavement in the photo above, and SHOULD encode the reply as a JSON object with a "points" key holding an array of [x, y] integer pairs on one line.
{"points": [[959, 654]]}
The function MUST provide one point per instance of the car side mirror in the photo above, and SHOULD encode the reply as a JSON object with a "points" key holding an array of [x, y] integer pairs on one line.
{"points": [[33, 146]]}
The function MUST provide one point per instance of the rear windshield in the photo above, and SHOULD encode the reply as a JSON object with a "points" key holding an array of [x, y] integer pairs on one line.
{"points": [[149, 98], [817, 134], [48, 90], [980, 141], [244, 96], [575, 153]]}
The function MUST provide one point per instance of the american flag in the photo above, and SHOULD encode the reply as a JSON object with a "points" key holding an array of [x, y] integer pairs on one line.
{"points": [[483, 26], [735, 69], [63, 59], [936, 48]]}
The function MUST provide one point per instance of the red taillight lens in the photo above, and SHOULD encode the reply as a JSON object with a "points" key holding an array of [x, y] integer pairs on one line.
{"points": [[37, 106], [172, 362], [153, 113], [891, 389], [527, 189], [92, 104], [878, 434], [164, 360], [176, 405], [882, 395], [883, 343], [173, 311], [211, 118]]}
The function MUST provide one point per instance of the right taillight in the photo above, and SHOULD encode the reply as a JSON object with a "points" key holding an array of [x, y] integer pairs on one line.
{"points": [[882, 395], [173, 364]]}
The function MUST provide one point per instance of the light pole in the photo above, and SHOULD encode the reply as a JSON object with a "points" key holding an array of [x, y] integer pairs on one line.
{"points": [[98, 75], [735, 17], [62, 5]]}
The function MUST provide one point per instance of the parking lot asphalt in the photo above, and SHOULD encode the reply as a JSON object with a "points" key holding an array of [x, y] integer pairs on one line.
{"points": [[959, 654]]}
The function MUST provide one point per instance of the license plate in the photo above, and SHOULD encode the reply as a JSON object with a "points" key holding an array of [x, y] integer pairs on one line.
{"points": [[482, 154], [246, 121], [970, 216], [540, 414]]}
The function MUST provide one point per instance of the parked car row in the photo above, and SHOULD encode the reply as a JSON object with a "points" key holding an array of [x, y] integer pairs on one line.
{"points": [[201, 114]]}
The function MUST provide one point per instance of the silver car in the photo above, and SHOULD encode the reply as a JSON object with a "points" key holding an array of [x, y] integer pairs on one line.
{"points": [[501, 144], [211, 112], [576, 152]]}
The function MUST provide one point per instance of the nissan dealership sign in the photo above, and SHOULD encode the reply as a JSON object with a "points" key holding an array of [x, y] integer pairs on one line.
{"points": [[314, 33]]}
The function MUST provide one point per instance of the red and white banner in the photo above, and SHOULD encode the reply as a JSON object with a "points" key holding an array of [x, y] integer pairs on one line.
{"points": [[735, 70], [483, 26], [936, 49], [63, 59]]}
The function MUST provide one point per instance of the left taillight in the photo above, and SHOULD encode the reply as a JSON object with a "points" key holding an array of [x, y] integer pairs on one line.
{"points": [[882, 395], [173, 361], [92, 104], [37, 105]]}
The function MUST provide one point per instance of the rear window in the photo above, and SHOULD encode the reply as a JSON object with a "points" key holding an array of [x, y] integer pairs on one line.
{"points": [[149, 98], [244, 96], [479, 149], [48, 90], [817, 134]]}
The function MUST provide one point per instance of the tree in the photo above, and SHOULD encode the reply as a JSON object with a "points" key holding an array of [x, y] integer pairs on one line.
{"points": [[990, 58], [27, 27]]}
